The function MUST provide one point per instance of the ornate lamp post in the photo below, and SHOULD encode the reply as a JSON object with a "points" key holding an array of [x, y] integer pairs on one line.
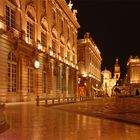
{"points": [[37, 66]]}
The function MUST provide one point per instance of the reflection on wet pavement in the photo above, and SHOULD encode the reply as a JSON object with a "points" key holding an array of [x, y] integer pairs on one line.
{"points": [[29, 122], [121, 109]]}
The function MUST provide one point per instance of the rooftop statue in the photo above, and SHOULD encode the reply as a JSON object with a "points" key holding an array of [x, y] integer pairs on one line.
{"points": [[70, 4]]}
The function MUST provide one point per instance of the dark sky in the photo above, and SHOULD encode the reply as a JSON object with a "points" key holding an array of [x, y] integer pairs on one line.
{"points": [[115, 27]]}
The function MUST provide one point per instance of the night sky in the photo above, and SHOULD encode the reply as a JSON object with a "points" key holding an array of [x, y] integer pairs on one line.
{"points": [[115, 27]]}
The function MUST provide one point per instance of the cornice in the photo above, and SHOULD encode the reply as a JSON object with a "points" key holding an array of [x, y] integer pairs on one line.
{"points": [[68, 12], [90, 44]]}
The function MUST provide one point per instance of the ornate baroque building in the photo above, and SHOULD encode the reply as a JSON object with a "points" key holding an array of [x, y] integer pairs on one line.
{"points": [[108, 81], [40, 32], [133, 74], [89, 65], [117, 70]]}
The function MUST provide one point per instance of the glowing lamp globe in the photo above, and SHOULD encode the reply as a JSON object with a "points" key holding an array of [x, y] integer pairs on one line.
{"points": [[37, 64]]}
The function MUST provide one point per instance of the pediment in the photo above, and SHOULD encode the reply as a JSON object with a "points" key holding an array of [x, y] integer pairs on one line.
{"points": [[30, 11], [62, 39], [44, 23], [68, 44], [54, 32]]}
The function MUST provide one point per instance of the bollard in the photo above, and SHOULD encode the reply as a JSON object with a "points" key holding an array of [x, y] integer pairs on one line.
{"points": [[37, 100]]}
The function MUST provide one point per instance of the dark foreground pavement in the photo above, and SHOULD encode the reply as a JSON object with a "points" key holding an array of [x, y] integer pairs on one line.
{"points": [[100, 119]]}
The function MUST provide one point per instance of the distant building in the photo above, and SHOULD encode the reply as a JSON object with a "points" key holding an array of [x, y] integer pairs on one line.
{"points": [[116, 70], [38, 49], [133, 74], [89, 65], [108, 81]]}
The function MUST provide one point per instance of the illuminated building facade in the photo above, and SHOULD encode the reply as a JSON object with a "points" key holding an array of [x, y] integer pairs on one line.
{"points": [[133, 74], [108, 81], [40, 32], [117, 70], [89, 65]]}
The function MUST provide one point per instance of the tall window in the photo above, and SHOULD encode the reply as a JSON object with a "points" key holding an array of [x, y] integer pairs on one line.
{"points": [[54, 17], [54, 46], [44, 74], [29, 30], [43, 39], [73, 38], [10, 18], [62, 52], [73, 59], [68, 32], [12, 69], [30, 79], [62, 26], [43, 6], [68, 55]]}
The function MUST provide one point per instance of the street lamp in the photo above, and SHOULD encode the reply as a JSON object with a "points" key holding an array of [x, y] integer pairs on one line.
{"points": [[37, 66]]}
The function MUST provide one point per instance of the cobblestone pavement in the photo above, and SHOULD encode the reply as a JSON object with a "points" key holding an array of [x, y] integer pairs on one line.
{"points": [[79, 121]]}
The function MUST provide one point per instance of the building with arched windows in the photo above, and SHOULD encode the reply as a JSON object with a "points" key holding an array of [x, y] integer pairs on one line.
{"points": [[133, 74], [41, 31], [89, 64], [109, 82]]}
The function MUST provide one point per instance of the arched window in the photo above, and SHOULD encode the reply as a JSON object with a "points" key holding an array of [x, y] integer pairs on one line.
{"points": [[12, 70], [30, 27]]}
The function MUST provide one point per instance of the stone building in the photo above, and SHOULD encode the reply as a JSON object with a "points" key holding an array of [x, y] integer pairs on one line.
{"points": [[117, 70], [89, 65], [109, 81], [133, 74], [38, 49]]}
